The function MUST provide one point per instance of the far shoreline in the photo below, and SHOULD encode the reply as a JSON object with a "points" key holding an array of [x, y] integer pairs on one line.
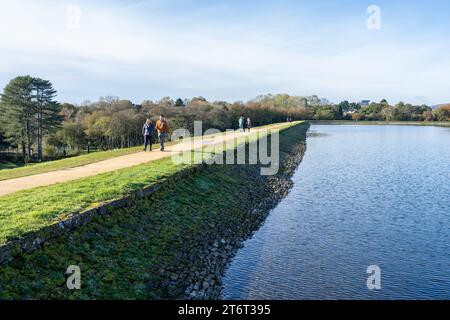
{"points": [[404, 123]]}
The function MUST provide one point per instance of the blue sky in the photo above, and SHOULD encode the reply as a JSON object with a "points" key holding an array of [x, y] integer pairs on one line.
{"points": [[229, 50]]}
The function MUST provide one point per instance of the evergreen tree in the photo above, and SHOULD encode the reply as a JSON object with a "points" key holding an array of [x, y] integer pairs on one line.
{"points": [[48, 117], [3, 143], [179, 103], [17, 112], [339, 112]]}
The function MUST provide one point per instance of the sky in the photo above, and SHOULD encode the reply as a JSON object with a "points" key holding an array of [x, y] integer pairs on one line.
{"points": [[230, 50]]}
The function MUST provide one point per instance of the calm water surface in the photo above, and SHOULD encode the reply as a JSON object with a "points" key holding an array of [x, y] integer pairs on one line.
{"points": [[363, 195]]}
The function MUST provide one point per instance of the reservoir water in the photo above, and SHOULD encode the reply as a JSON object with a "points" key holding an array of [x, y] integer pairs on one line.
{"points": [[363, 195]]}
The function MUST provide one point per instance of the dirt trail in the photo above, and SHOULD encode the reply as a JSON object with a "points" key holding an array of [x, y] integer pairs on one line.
{"points": [[70, 174]]}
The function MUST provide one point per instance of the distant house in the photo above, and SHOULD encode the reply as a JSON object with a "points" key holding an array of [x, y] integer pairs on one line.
{"points": [[364, 103]]}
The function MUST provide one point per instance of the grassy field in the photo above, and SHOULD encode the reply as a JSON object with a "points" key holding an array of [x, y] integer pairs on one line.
{"points": [[30, 210]]}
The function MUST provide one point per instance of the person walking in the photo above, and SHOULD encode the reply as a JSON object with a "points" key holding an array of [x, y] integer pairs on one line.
{"points": [[241, 124], [248, 124], [147, 132], [162, 127]]}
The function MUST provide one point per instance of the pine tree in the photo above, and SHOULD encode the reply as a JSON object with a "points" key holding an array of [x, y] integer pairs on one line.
{"points": [[179, 103], [48, 117], [17, 112]]}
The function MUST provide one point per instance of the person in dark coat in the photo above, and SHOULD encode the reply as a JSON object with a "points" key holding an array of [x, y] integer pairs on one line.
{"points": [[147, 132]]}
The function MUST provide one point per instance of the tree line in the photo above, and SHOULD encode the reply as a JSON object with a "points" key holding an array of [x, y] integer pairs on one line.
{"points": [[383, 111], [36, 126]]}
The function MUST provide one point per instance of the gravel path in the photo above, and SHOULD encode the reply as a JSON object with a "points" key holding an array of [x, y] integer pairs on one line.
{"points": [[65, 175]]}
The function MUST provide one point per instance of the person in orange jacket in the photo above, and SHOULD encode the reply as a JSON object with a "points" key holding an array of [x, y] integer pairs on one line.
{"points": [[163, 128]]}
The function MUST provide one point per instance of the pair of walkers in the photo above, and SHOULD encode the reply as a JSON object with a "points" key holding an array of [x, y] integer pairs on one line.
{"points": [[147, 131], [245, 124]]}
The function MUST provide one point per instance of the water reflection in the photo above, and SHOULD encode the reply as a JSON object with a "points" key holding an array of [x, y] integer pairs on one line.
{"points": [[363, 195]]}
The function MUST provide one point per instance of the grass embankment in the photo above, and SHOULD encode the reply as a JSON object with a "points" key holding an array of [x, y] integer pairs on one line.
{"points": [[30, 210], [121, 256]]}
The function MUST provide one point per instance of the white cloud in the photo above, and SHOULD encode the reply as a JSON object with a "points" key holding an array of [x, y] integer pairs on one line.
{"points": [[135, 54]]}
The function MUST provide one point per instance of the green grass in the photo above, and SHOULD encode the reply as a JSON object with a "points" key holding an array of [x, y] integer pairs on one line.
{"points": [[30, 210]]}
